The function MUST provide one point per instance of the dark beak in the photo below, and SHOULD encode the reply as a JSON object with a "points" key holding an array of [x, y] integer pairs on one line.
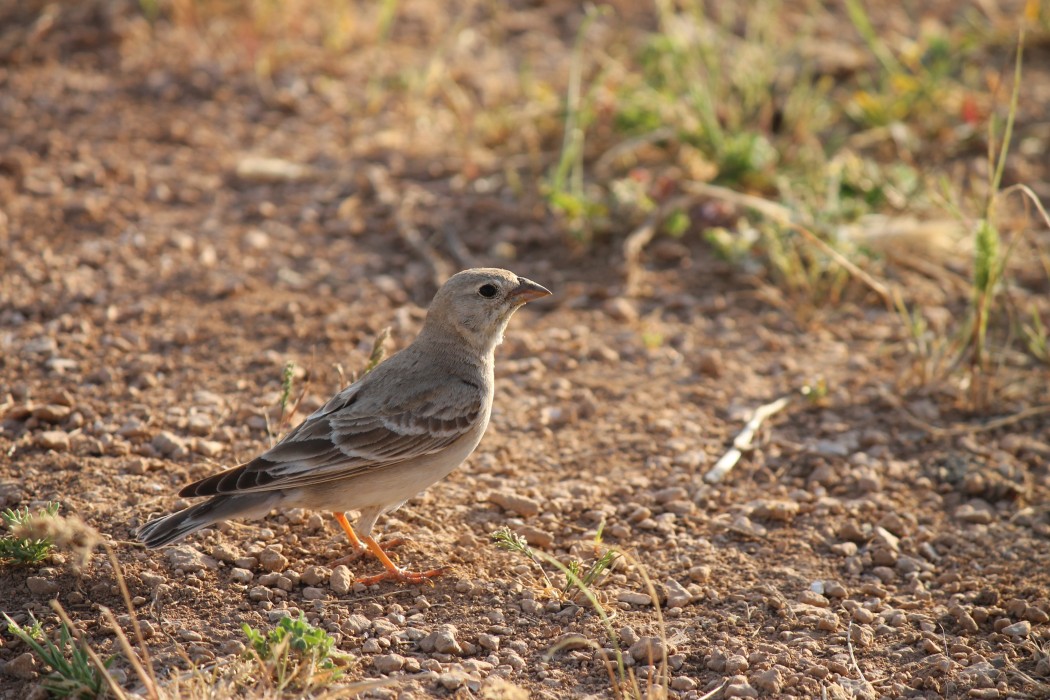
{"points": [[527, 290]]}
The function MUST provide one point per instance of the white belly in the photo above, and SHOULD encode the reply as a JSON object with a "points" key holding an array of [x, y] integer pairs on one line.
{"points": [[388, 486]]}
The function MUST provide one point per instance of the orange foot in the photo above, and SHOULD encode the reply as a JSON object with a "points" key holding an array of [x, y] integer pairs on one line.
{"points": [[360, 549], [393, 571], [402, 576]]}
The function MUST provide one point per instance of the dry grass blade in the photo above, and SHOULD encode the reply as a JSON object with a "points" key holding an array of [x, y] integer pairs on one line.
{"points": [[970, 429], [1031, 196], [783, 216], [852, 656], [147, 679], [714, 692], [411, 235], [97, 662]]}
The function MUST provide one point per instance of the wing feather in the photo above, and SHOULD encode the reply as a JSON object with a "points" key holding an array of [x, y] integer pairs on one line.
{"points": [[355, 433]]}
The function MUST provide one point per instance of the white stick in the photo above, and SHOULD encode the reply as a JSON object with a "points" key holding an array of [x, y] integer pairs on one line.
{"points": [[742, 442]]}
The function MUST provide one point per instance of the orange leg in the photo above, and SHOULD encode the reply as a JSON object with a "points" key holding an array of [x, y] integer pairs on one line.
{"points": [[360, 549], [393, 571], [357, 544]]}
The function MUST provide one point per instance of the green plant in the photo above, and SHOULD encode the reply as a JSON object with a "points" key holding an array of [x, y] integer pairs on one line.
{"points": [[73, 674], [622, 679], [378, 352], [25, 550], [911, 85], [1036, 338], [507, 539], [565, 189], [297, 652], [990, 258]]}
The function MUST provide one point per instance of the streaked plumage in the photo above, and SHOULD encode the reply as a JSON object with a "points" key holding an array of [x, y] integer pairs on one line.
{"points": [[402, 427]]}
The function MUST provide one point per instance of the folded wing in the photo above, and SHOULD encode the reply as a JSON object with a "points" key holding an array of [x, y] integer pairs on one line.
{"points": [[352, 435]]}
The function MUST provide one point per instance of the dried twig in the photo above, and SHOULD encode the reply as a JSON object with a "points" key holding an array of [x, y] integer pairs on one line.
{"points": [[411, 235], [458, 249], [852, 657], [743, 441], [143, 667], [635, 243], [961, 428], [970, 429], [715, 691]]}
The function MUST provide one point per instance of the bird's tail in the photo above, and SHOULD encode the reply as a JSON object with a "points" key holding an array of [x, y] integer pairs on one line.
{"points": [[171, 528]]}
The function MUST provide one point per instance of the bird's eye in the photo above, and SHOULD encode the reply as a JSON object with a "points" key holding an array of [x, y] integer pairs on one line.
{"points": [[487, 290]]}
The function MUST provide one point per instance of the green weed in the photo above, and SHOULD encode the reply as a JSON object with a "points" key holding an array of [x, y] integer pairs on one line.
{"points": [[566, 192], [297, 653], [575, 571], [73, 674], [25, 550], [582, 582], [1036, 338]]}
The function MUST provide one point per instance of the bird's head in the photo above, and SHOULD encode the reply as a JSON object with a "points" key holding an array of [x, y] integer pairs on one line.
{"points": [[477, 304]]}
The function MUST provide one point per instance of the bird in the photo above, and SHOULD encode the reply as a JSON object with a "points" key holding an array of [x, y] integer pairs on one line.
{"points": [[399, 429]]}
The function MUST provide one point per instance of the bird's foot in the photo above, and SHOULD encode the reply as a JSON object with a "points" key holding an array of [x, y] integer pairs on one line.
{"points": [[402, 576]]}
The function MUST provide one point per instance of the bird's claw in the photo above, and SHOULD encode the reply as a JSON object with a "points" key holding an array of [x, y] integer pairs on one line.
{"points": [[402, 576]]}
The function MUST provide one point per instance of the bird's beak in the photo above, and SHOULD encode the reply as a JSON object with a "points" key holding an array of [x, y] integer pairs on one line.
{"points": [[527, 290]]}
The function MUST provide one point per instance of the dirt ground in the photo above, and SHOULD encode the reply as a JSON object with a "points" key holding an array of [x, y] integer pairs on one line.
{"points": [[157, 277]]}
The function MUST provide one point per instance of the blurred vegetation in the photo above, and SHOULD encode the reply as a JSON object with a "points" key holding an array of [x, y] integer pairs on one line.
{"points": [[833, 150]]}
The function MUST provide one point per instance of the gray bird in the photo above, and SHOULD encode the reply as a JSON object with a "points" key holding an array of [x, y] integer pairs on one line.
{"points": [[385, 438]]}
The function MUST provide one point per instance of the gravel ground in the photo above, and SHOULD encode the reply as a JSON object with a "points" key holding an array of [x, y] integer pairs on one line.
{"points": [[157, 276]]}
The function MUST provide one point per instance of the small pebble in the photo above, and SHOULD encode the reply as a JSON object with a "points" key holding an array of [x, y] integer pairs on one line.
{"points": [[169, 444], [442, 640], [189, 559], [312, 593], [814, 599], [488, 641], [968, 513], [315, 575], [22, 667], [677, 595], [634, 598], [781, 511], [647, 650], [38, 585], [769, 681], [341, 580], [535, 536], [1018, 629], [739, 689], [683, 683], [515, 503], [272, 560], [56, 440], [239, 575], [388, 663], [259, 593]]}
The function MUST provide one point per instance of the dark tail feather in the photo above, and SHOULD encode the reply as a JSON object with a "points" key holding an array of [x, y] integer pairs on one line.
{"points": [[171, 528]]}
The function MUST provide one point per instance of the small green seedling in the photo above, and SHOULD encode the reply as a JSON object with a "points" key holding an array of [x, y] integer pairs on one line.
{"points": [[73, 675], [296, 649], [23, 550]]}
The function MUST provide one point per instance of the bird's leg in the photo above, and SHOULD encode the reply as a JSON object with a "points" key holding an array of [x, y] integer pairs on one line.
{"points": [[360, 549], [358, 545], [393, 571]]}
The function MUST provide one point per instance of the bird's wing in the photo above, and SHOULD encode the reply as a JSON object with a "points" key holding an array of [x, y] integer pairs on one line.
{"points": [[362, 429]]}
